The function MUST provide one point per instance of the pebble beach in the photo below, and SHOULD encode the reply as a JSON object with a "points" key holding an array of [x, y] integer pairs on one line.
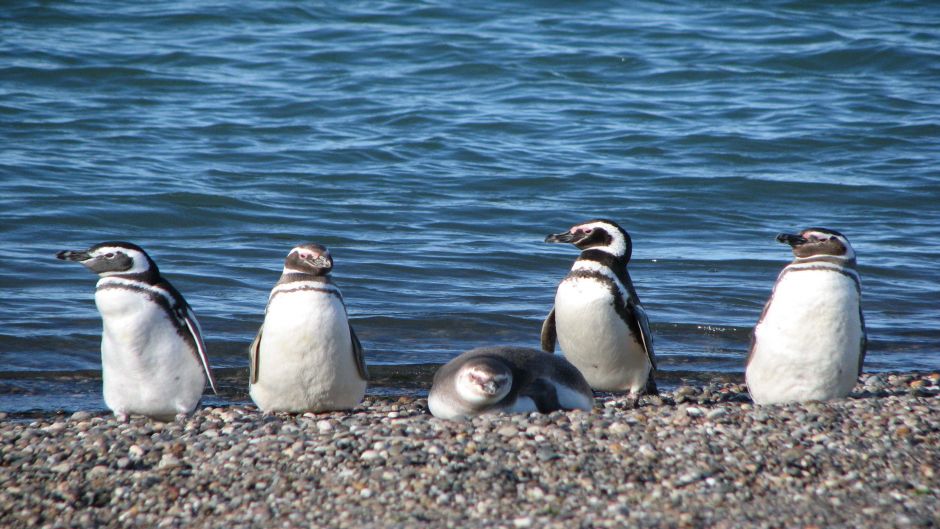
{"points": [[693, 457]]}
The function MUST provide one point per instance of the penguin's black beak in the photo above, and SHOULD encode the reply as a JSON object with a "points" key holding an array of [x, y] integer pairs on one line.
{"points": [[561, 237], [792, 240], [322, 261], [73, 255]]}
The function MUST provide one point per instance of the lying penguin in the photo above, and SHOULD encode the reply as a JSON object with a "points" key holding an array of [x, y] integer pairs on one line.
{"points": [[507, 379]]}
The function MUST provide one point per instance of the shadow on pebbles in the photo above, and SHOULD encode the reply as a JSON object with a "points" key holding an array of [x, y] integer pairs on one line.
{"points": [[694, 457]]}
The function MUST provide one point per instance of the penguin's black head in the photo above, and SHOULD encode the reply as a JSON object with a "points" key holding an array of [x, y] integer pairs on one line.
{"points": [[814, 242], [112, 258], [309, 258], [599, 234], [483, 381]]}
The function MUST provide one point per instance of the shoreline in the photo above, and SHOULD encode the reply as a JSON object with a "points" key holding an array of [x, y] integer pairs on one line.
{"points": [[698, 456]]}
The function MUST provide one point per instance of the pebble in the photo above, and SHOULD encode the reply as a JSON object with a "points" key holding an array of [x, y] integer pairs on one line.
{"points": [[716, 413], [618, 428], [324, 426], [80, 416], [369, 455], [508, 431], [714, 460]]}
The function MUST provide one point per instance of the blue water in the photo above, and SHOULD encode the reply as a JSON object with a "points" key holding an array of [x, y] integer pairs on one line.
{"points": [[432, 146]]}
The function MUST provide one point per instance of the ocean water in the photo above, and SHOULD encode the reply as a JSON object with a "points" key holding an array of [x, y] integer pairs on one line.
{"points": [[433, 145]]}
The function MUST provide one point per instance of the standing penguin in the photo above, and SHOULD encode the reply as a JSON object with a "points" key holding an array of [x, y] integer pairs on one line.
{"points": [[306, 356], [597, 318], [153, 358], [809, 343]]}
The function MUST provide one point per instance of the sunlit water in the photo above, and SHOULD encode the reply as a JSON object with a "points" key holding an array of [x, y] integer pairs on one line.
{"points": [[432, 147]]}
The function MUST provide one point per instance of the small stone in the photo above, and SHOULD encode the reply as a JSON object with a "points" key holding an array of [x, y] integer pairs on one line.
{"points": [[688, 478], [507, 431], [716, 413], [692, 411], [80, 416], [522, 522], [369, 455], [98, 471], [62, 468], [324, 426], [917, 384], [55, 428], [135, 453], [618, 428], [169, 461]]}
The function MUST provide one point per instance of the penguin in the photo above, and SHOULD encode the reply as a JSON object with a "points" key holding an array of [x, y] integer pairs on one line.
{"points": [[153, 357], [509, 380], [306, 356], [597, 318], [810, 340]]}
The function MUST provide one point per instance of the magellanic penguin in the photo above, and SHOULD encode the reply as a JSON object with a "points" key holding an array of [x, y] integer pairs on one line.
{"points": [[507, 379], [306, 356], [597, 318], [810, 341], [153, 359]]}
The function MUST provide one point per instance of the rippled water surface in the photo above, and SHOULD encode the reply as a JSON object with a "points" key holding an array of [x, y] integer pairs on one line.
{"points": [[432, 147]]}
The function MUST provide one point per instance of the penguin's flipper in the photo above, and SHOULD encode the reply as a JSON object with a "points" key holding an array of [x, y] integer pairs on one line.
{"points": [[645, 334], [254, 357], [186, 313], [358, 356], [544, 394], [864, 344], [549, 334]]}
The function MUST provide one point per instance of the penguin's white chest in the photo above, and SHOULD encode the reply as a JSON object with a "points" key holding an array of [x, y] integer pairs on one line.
{"points": [[808, 344], [595, 338], [148, 367], [306, 358]]}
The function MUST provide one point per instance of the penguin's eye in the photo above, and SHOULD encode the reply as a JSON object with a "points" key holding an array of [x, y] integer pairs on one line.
{"points": [[109, 255]]}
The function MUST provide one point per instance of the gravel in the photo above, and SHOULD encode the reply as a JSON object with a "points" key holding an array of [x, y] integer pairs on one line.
{"points": [[694, 457]]}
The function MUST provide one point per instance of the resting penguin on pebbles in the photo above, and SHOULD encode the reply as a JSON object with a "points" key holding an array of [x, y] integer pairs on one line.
{"points": [[597, 318], [507, 379], [809, 343], [306, 356], [153, 358]]}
